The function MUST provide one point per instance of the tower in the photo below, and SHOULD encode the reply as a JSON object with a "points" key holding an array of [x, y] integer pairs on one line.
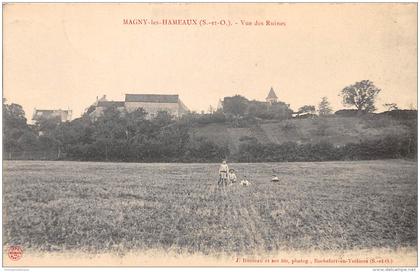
{"points": [[271, 97]]}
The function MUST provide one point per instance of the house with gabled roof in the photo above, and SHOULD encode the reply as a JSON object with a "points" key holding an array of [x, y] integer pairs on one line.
{"points": [[60, 115], [153, 103]]}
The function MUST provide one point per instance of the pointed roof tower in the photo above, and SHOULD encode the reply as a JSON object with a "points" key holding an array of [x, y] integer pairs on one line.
{"points": [[271, 97]]}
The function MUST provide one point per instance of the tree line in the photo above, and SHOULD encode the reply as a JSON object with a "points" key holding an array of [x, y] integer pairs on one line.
{"points": [[389, 147], [112, 137]]}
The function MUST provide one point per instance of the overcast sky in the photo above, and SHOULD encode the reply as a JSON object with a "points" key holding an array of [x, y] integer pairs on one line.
{"points": [[64, 55]]}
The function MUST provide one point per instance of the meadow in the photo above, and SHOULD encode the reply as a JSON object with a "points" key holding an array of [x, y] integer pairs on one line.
{"points": [[120, 207]]}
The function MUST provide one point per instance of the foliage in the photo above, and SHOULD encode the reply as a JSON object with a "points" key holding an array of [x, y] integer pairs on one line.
{"points": [[322, 127], [307, 109], [388, 147], [289, 127], [401, 114], [47, 124], [242, 112], [235, 105], [202, 150], [361, 94], [16, 133], [203, 119], [274, 111], [132, 136], [124, 136], [347, 113], [324, 107], [14, 116], [391, 106]]}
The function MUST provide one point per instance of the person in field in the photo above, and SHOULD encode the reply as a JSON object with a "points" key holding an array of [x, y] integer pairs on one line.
{"points": [[223, 173], [245, 182], [232, 176]]}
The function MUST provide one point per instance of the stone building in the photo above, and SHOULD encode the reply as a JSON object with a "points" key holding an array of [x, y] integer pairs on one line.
{"points": [[61, 115], [151, 103]]}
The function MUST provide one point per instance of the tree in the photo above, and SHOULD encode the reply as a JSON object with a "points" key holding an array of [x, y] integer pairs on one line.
{"points": [[14, 127], [362, 95], [163, 118], [391, 106], [47, 124], [28, 140], [73, 138], [324, 107], [109, 131], [307, 109], [277, 110], [235, 105], [14, 116], [211, 109]]}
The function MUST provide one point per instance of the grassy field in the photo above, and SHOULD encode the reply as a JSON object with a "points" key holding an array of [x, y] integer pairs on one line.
{"points": [[336, 130], [107, 207]]}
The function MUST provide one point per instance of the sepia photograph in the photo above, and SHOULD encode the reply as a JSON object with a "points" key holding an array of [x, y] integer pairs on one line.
{"points": [[209, 135]]}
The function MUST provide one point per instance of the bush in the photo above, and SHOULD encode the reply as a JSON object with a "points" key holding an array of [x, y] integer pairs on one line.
{"points": [[203, 150], [347, 113], [401, 114], [387, 148], [204, 119], [306, 116]]}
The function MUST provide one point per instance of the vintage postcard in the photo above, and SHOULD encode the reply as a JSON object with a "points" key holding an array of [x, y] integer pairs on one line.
{"points": [[210, 134]]}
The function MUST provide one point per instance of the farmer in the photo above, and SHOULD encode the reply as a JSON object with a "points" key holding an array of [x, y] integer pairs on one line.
{"points": [[223, 172], [232, 176]]}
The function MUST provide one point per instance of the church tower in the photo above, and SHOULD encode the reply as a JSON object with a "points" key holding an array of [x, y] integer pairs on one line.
{"points": [[271, 97]]}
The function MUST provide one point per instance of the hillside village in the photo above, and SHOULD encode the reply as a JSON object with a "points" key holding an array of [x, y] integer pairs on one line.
{"points": [[151, 103], [160, 127]]}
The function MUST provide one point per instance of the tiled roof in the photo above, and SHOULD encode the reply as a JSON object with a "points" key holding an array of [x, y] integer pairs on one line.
{"points": [[271, 94], [107, 104], [152, 98], [45, 111]]}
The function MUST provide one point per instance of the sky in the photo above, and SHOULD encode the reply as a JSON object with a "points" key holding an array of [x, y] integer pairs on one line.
{"points": [[62, 56]]}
